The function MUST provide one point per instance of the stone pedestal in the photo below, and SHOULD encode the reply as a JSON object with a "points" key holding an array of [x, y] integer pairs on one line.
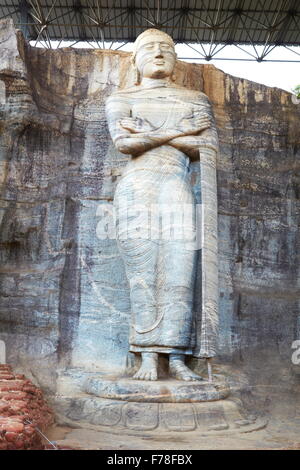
{"points": [[160, 391], [166, 405]]}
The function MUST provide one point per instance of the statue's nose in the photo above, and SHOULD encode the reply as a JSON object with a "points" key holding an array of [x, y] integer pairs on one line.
{"points": [[158, 52]]}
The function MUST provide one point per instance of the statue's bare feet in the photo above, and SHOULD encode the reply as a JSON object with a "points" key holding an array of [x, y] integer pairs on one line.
{"points": [[148, 369], [179, 370]]}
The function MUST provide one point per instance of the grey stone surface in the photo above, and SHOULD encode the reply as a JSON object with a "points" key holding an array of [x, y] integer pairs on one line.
{"points": [[160, 391], [60, 283], [182, 419], [141, 416], [213, 418]]}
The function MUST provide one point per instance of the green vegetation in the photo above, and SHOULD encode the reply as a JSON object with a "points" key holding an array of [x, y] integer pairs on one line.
{"points": [[296, 90]]}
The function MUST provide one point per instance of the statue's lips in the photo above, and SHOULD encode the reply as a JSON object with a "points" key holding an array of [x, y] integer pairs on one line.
{"points": [[159, 62]]}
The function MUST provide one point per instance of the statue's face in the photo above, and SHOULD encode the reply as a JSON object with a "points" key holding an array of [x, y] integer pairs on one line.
{"points": [[155, 57]]}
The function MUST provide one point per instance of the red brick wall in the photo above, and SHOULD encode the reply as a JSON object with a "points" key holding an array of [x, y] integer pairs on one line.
{"points": [[20, 402]]}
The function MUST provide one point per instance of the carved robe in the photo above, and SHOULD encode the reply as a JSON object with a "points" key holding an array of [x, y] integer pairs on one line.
{"points": [[160, 257]]}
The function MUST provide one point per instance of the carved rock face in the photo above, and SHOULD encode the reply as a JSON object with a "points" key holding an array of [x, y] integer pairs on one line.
{"points": [[56, 172]]}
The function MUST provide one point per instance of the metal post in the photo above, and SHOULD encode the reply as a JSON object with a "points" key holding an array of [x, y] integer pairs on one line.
{"points": [[209, 369], [24, 13]]}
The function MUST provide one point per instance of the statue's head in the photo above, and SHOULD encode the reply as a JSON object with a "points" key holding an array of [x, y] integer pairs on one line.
{"points": [[154, 54]]}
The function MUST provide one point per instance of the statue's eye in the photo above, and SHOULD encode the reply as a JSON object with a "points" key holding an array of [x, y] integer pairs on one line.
{"points": [[149, 46]]}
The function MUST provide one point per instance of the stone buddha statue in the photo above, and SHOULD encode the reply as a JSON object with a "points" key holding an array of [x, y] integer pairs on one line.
{"points": [[163, 127]]}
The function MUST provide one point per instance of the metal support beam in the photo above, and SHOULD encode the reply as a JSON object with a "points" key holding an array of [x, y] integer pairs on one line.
{"points": [[209, 27], [25, 19]]}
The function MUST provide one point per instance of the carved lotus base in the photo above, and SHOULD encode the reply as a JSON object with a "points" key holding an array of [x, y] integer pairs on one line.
{"points": [[160, 391], [205, 418], [165, 406]]}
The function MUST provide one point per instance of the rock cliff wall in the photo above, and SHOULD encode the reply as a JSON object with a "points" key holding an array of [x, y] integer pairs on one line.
{"points": [[64, 296]]}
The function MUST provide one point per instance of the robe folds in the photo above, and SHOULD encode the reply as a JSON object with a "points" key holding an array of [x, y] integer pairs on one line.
{"points": [[156, 224]]}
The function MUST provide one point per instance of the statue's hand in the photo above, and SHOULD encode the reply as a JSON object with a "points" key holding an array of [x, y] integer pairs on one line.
{"points": [[136, 125], [194, 124]]}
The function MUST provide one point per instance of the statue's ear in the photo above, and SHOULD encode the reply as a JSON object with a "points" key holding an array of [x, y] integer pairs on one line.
{"points": [[137, 77], [173, 76]]}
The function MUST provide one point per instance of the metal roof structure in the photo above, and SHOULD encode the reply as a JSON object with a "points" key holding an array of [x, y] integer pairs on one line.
{"points": [[214, 23]]}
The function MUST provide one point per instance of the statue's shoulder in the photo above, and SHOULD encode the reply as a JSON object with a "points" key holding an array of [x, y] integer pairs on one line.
{"points": [[124, 92], [193, 95], [200, 95], [121, 97]]}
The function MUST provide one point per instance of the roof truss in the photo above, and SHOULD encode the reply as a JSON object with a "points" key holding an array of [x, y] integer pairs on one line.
{"points": [[207, 26]]}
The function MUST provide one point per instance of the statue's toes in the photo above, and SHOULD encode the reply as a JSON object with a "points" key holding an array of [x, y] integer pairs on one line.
{"points": [[195, 378], [153, 375], [186, 378], [144, 375], [138, 375]]}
